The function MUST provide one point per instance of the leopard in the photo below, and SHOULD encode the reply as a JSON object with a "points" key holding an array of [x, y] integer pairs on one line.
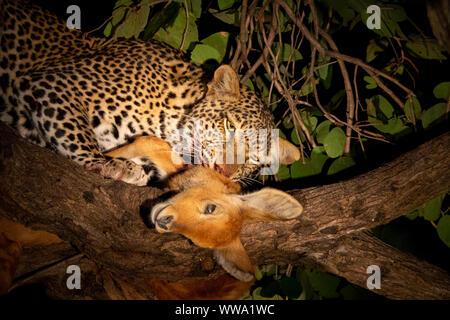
{"points": [[83, 96]]}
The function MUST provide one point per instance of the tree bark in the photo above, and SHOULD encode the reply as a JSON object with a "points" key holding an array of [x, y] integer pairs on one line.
{"points": [[103, 220]]}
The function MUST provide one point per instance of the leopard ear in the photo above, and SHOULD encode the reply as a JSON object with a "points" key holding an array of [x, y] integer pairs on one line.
{"points": [[225, 84], [288, 153]]}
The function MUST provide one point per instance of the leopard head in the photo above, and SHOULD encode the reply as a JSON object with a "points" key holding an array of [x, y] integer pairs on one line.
{"points": [[233, 130]]}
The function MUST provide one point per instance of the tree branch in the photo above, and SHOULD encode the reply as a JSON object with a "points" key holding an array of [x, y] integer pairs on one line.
{"points": [[354, 253], [102, 218]]}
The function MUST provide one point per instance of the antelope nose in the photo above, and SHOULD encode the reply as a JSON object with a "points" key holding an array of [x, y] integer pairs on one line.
{"points": [[164, 221]]}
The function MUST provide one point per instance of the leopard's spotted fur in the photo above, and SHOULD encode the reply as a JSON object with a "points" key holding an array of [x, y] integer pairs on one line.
{"points": [[82, 95]]}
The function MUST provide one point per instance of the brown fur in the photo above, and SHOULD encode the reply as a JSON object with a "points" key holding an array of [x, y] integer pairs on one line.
{"points": [[187, 214], [9, 260], [153, 148], [26, 237], [221, 288], [13, 238]]}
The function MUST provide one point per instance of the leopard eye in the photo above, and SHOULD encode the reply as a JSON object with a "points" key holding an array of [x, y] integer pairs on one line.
{"points": [[229, 125], [210, 208]]}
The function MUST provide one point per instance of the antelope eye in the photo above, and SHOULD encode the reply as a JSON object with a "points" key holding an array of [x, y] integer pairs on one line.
{"points": [[210, 208]]}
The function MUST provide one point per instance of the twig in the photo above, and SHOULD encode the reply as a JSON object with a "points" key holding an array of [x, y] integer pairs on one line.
{"points": [[338, 55], [347, 85], [186, 29]]}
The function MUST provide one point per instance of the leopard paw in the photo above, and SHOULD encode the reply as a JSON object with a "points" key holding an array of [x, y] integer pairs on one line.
{"points": [[126, 171]]}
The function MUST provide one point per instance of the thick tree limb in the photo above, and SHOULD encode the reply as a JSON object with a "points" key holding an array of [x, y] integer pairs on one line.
{"points": [[102, 219], [354, 253]]}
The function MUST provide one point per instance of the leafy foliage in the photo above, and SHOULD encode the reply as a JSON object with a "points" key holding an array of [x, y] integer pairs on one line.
{"points": [[435, 211], [275, 283]]}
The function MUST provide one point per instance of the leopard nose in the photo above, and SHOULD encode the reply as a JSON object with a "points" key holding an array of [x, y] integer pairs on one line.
{"points": [[164, 221]]}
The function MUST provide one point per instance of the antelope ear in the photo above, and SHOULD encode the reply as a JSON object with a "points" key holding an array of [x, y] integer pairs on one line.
{"points": [[288, 153], [225, 84], [235, 260], [270, 204]]}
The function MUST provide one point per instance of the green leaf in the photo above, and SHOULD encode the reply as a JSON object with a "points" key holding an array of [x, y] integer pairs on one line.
{"points": [[311, 167], [432, 210], [342, 8], [434, 114], [123, 3], [219, 41], [225, 4], [258, 274], [108, 29], [413, 110], [302, 296], [196, 8], [249, 84], [323, 71], [381, 115], [141, 18], [383, 105], [340, 164], [302, 277], [334, 143], [228, 17], [162, 18], [396, 13], [371, 84], [290, 287], [295, 137], [283, 172], [413, 214], [326, 284], [393, 126], [425, 48], [390, 16], [203, 52], [287, 53], [269, 269], [287, 122], [118, 14], [256, 294], [443, 229], [310, 123], [373, 49], [442, 90], [322, 130], [327, 82], [306, 89], [134, 22], [173, 35]]}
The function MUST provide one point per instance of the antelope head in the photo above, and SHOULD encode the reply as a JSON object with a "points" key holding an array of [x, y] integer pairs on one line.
{"points": [[209, 211]]}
